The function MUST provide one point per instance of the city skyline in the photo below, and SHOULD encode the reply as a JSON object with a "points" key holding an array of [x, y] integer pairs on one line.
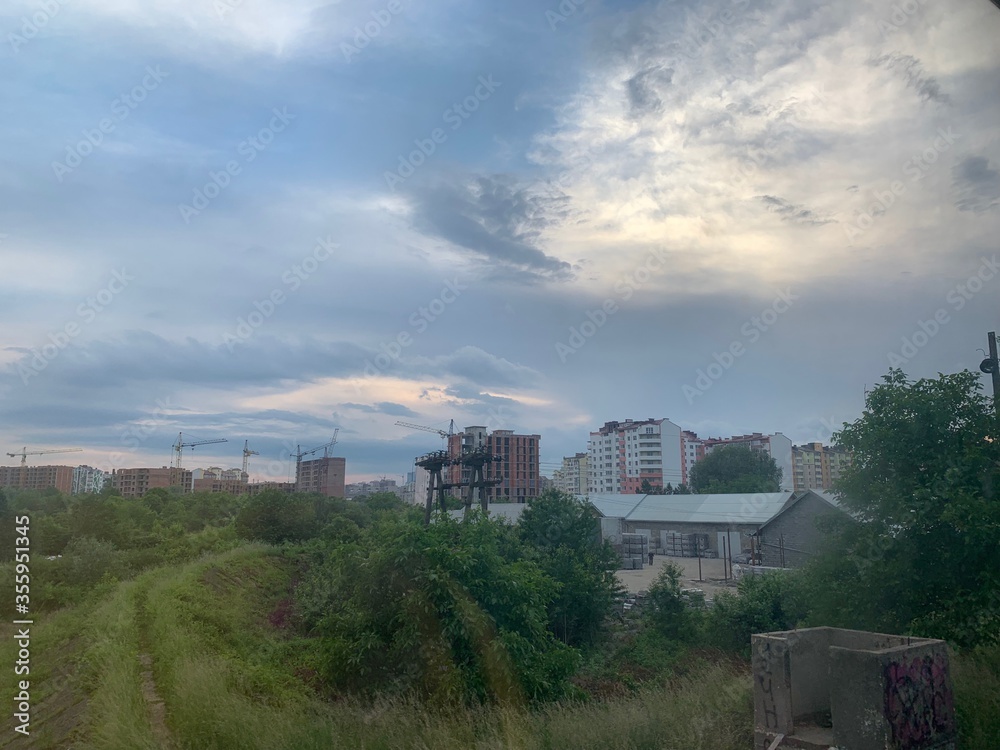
{"points": [[269, 221]]}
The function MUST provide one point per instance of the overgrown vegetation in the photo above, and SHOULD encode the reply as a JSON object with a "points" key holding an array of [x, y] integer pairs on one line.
{"points": [[298, 621]]}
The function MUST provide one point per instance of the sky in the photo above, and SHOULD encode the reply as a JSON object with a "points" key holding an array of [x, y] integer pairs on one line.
{"points": [[264, 220]]}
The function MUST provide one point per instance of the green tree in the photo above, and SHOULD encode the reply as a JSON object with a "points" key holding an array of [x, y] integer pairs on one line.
{"points": [[667, 611], [735, 468], [273, 517], [451, 611], [563, 535], [923, 489]]}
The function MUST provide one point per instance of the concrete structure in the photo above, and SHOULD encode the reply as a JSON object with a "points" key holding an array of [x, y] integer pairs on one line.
{"points": [[87, 479], [574, 475], [421, 481], [518, 470], [791, 536], [721, 522], [777, 446], [137, 482], [819, 688], [37, 477], [322, 475], [817, 467]]}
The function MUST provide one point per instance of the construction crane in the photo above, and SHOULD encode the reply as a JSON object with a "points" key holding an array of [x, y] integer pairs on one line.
{"points": [[246, 455], [325, 448], [180, 445], [25, 453], [442, 433]]}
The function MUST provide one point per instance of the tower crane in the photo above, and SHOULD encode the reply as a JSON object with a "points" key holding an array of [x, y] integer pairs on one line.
{"points": [[25, 453], [180, 445], [299, 453], [442, 433], [246, 455]]}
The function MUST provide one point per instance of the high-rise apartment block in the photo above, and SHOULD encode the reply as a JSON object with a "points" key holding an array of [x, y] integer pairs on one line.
{"points": [[322, 475], [137, 482], [624, 455], [818, 467], [517, 470], [37, 477], [574, 475], [87, 479]]}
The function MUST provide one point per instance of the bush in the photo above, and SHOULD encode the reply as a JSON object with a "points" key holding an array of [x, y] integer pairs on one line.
{"points": [[667, 610], [763, 604]]}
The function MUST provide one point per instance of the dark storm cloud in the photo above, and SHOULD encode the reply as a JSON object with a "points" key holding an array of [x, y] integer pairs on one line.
{"points": [[642, 90], [927, 87], [383, 407], [790, 212], [977, 184], [478, 366], [496, 220]]}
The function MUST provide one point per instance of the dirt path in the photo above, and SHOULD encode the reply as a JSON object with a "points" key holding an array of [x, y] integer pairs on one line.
{"points": [[154, 703]]}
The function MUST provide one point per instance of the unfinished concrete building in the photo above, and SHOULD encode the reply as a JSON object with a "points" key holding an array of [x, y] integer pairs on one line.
{"points": [[819, 688]]}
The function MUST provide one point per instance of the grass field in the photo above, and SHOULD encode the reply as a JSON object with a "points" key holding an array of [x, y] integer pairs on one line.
{"points": [[201, 656]]}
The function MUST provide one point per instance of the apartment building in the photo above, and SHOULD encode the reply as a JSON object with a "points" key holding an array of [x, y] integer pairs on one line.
{"points": [[137, 482], [574, 475], [818, 467], [37, 477], [624, 455], [517, 470], [87, 479], [211, 484], [322, 475]]}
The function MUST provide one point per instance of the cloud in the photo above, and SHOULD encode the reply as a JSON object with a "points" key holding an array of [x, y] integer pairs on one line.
{"points": [[790, 212], [927, 87], [976, 183], [496, 221]]}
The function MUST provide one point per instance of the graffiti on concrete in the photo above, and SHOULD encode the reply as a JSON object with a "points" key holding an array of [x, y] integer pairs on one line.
{"points": [[919, 704], [762, 675]]}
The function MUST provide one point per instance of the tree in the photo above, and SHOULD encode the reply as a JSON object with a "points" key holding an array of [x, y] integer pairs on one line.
{"points": [[274, 517], [563, 536], [735, 468], [923, 489]]}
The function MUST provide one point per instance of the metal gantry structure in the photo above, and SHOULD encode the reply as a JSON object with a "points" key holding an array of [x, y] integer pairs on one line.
{"points": [[476, 459]]}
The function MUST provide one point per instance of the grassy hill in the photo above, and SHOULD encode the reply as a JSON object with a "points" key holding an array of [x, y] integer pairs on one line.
{"points": [[202, 656]]}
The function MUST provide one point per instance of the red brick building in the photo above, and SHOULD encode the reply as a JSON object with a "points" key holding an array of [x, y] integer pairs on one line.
{"points": [[37, 477]]}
